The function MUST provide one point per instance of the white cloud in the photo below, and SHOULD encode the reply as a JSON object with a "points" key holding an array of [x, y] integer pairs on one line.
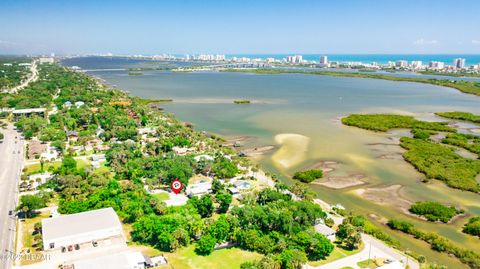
{"points": [[3, 42], [423, 42], [476, 42]]}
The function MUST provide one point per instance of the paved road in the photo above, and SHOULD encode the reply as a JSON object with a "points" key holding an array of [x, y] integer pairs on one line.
{"points": [[10, 170], [373, 249], [33, 77]]}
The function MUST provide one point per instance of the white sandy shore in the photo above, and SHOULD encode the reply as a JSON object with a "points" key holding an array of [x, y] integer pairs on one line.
{"points": [[293, 150]]}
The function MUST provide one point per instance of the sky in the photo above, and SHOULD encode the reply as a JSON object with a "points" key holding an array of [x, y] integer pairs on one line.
{"points": [[235, 27]]}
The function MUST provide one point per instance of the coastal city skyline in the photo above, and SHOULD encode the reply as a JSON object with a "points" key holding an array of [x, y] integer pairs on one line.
{"points": [[126, 27]]}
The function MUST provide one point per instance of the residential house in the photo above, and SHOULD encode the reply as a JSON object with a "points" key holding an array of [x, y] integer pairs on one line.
{"points": [[72, 136], [203, 157], [242, 185], [35, 149], [182, 150], [199, 189], [97, 159], [326, 231], [79, 104]]}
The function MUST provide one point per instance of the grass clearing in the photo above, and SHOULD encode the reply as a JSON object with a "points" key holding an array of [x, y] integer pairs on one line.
{"points": [[162, 196], [28, 242], [186, 258], [337, 253], [367, 264], [35, 168]]}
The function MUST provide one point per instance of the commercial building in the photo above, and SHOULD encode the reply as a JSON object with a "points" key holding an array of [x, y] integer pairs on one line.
{"points": [[295, 59], [436, 65], [459, 63], [401, 63], [46, 60], [18, 113], [129, 260], [324, 60], [76, 229], [417, 64]]}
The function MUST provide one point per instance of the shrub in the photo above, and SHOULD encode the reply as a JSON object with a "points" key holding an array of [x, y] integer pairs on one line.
{"points": [[434, 211], [308, 175], [472, 226]]}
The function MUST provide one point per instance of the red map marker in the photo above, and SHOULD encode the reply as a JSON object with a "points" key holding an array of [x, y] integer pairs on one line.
{"points": [[176, 186]]}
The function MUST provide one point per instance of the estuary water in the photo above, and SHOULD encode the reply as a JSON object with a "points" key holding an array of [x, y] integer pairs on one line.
{"points": [[300, 115]]}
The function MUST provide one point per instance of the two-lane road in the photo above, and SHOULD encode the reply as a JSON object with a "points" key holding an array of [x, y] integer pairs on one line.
{"points": [[11, 164]]}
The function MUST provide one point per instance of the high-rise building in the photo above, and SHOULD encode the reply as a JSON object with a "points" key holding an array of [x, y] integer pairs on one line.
{"points": [[459, 63], [401, 63], [416, 64], [324, 60], [296, 59], [436, 65]]}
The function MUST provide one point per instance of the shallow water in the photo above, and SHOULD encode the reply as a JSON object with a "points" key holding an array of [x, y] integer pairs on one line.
{"points": [[312, 106]]}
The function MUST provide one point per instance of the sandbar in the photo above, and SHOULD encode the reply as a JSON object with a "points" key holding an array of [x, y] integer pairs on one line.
{"points": [[292, 151]]}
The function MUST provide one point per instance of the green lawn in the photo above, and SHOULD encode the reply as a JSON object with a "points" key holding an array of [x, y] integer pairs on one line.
{"points": [[28, 243], [367, 264], [34, 168], [336, 254], [162, 196], [186, 258]]}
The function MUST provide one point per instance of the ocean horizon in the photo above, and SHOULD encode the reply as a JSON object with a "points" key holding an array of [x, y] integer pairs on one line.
{"points": [[471, 59]]}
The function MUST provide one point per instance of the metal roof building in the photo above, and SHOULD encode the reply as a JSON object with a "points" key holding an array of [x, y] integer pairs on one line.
{"points": [[131, 260], [81, 228]]}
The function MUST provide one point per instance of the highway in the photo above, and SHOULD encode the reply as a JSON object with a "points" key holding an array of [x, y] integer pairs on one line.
{"points": [[11, 164]]}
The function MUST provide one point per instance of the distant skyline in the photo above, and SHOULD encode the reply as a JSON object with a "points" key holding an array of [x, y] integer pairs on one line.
{"points": [[240, 27]]}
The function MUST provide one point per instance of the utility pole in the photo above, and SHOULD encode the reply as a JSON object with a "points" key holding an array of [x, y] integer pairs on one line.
{"points": [[369, 251]]}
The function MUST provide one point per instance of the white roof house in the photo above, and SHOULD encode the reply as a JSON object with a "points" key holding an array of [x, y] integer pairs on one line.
{"points": [[146, 130], [326, 231], [81, 228], [242, 185], [204, 157], [198, 189], [98, 157], [78, 104], [129, 260]]}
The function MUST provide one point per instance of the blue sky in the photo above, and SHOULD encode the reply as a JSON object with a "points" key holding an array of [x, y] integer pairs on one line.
{"points": [[247, 26]]}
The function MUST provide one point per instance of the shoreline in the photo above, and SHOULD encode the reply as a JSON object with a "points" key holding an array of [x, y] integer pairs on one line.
{"points": [[467, 87]]}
